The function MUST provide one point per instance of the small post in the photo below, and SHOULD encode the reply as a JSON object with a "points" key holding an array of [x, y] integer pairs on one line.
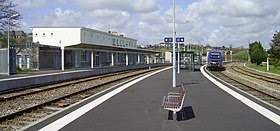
{"points": [[174, 115], [230, 56], [226, 56], [138, 59], [126, 59], [112, 59], [91, 65], [148, 59], [62, 58], [28, 63], [267, 63], [20, 62]]}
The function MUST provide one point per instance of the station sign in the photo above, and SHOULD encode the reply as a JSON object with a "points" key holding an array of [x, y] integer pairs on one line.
{"points": [[180, 39], [170, 39]]}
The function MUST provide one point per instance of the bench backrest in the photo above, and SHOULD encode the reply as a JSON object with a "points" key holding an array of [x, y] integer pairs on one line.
{"points": [[182, 93], [182, 90]]}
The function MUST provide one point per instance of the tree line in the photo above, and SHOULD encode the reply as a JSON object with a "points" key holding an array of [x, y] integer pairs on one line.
{"points": [[259, 55], [9, 16]]}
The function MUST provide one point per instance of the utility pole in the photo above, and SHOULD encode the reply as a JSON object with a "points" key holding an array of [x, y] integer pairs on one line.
{"points": [[174, 53], [8, 51]]}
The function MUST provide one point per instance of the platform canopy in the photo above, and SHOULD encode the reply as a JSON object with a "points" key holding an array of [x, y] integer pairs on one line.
{"points": [[110, 48]]}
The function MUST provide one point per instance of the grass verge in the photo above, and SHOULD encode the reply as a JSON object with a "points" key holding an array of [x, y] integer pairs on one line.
{"points": [[263, 68]]}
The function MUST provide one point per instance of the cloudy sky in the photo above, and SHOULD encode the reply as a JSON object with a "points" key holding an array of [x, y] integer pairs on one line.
{"points": [[214, 22]]}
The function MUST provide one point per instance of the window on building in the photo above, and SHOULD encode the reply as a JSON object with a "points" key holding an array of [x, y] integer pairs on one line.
{"points": [[84, 56], [44, 34], [51, 34], [114, 41]]}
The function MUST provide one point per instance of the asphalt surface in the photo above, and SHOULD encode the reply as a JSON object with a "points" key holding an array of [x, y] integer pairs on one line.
{"points": [[206, 107]]}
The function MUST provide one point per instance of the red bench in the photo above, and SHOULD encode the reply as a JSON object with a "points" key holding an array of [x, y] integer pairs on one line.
{"points": [[174, 101]]}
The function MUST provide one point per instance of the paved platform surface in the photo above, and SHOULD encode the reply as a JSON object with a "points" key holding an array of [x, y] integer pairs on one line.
{"points": [[206, 107]]}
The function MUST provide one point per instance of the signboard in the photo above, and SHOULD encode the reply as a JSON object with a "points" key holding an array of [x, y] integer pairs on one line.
{"points": [[180, 39], [170, 39]]}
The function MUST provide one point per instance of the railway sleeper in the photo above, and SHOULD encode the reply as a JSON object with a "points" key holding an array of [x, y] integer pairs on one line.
{"points": [[53, 108]]}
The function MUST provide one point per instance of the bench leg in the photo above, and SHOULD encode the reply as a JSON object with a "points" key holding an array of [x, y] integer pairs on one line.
{"points": [[170, 115], [174, 115]]}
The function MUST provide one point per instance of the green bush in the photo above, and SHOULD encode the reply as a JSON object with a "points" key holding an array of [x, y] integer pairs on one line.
{"points": [[257, 53]]}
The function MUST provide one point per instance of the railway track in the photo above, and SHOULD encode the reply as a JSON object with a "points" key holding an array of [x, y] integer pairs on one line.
{"points": [[264, 96], [21, 109], [256, 75], [29, 91]]}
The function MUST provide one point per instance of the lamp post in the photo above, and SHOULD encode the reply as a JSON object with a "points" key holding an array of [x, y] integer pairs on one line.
{"points": [[8, 48], [174, 53]]}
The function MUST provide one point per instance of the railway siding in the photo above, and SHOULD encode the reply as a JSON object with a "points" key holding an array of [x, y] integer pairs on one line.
{"points": [[253, 84]]}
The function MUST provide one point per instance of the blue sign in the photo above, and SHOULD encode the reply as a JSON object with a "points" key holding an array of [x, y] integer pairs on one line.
{"points": [[168, 39], [180, 39]]}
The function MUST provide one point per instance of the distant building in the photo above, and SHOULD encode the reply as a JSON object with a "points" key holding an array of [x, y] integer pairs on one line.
{"points": [[79, 47], [62, 37], [18, 34]]}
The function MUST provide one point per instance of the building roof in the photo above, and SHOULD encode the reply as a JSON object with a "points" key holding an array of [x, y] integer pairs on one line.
{"points": [[103, 32]]}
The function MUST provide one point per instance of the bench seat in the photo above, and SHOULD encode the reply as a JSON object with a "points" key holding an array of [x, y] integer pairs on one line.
{"points": [[174, 101]]}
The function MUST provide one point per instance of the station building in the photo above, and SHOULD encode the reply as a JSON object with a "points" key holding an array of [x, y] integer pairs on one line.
{"points": [[79, 47]]}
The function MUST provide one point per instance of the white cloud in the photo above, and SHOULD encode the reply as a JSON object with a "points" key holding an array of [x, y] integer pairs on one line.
{"points": [[59, 17], [235, 22], [217, 22], [138, 6], [30, 3], [105, 19]]}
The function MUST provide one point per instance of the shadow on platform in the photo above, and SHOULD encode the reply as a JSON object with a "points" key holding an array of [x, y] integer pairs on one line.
{"points": [[185, 114]]}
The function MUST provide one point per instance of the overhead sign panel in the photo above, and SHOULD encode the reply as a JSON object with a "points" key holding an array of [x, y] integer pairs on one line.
{"points": [[168, 39], [180, 39]]}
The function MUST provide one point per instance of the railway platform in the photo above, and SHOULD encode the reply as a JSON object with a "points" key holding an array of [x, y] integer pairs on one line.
{"points": [[137, 107], [45, 77]]}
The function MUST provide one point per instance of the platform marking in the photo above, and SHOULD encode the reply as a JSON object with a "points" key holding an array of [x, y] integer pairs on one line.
{"points": [[260, 109], [60, 123]]}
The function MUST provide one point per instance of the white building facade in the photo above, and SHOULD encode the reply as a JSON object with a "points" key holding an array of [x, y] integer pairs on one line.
{"points": [[62, 37], [84, 47]]}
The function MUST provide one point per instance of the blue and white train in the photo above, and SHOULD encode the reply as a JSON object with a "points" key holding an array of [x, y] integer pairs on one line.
{"points": [[215, 59]]}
